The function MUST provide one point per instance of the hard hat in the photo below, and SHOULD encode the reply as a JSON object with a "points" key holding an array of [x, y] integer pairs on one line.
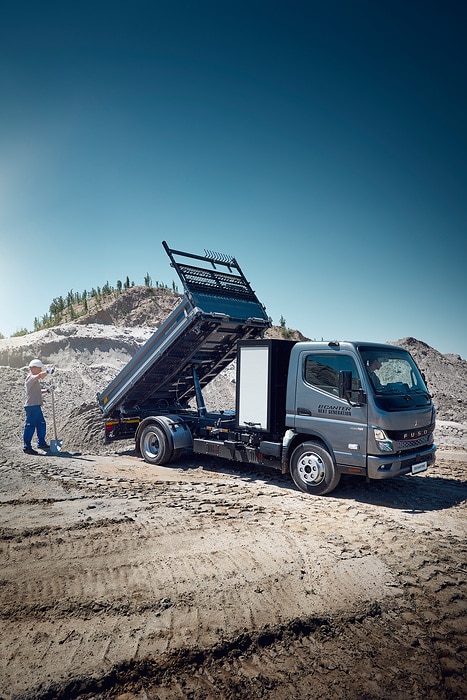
{"points": [[36, 363]]}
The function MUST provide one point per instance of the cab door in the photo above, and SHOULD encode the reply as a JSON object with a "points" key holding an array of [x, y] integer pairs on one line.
{"points": [[319, 412]]}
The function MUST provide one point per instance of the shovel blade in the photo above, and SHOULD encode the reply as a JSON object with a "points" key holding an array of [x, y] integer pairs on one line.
{"points": [[55, 445]]}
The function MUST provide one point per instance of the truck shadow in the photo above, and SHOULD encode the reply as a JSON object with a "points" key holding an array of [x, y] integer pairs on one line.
{"points": [[412, 494]]}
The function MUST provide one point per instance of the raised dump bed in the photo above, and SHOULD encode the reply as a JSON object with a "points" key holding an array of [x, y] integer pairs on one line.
{"points": [[196, 342]]}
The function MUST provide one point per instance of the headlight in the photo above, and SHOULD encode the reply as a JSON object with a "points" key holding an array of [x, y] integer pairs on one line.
{"points": [[382, 440]]}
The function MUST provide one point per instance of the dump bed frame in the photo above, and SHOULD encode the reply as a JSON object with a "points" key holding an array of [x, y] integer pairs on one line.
{"points": [[194, 344]]}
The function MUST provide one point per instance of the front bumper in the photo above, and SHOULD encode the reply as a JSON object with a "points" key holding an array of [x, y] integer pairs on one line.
{"points": [[388, 466]]}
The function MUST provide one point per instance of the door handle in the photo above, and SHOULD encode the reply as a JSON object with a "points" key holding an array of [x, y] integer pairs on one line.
{"points": [[303, 411]]}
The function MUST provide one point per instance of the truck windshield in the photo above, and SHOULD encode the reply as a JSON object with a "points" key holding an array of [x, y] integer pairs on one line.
{"points": [[395, 378]]}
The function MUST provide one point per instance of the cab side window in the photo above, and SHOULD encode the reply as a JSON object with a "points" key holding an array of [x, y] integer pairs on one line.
{"points": [[322, 372]]}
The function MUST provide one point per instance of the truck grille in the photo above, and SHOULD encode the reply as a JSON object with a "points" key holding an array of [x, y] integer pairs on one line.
{"points": [[410, 444]]}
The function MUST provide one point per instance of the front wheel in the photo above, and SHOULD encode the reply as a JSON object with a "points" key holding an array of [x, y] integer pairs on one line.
{"points": [[154, 445], [313, 469]]}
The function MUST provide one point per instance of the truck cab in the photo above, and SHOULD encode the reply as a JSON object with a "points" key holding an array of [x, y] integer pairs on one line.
{"points": [[356, 408]]}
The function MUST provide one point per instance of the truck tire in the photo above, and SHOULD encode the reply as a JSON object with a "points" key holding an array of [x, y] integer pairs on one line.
{"points": [[176, 454], [313, 470], [154, 445]]}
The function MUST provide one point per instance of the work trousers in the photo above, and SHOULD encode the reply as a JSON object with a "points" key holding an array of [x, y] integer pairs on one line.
{"points": [[34, 422]]}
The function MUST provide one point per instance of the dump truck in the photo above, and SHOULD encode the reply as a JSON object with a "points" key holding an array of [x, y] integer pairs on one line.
{"points": [[313, 410]]}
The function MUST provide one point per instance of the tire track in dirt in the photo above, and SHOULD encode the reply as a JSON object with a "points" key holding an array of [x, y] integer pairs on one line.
{"points": [[233, 586], [430, 568], [75, 578]]}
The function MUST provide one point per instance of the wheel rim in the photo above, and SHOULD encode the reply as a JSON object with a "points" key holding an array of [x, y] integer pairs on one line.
{"points": [[311, 469], [151, 445]]}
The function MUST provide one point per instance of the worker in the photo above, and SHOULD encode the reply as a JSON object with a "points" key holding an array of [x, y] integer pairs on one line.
{"points": [[35, 421], [373, 367]]}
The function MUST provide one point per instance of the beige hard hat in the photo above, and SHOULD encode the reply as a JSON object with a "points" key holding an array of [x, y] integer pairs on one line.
{"points": [[36, 363]]}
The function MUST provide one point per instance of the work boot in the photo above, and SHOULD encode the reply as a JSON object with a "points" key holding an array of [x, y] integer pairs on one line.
{"points": [[29, 450]]}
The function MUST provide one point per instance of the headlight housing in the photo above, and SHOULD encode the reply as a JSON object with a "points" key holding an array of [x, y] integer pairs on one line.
{"points": [[383, 442]]}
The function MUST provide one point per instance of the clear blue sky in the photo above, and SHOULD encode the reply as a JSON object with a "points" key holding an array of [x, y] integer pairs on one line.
{"points": [[323, 144]]}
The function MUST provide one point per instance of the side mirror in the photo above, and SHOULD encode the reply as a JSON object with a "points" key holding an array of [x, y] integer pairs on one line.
{"points": [[347, 392]]}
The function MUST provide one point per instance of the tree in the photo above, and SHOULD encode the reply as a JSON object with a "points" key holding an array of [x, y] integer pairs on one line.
{"points": [[148, 280], [126, 284], [56, 307]]}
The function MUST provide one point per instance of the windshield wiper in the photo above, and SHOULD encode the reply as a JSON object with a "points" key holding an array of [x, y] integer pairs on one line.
{"points": [[424, 393], [395, 393]]}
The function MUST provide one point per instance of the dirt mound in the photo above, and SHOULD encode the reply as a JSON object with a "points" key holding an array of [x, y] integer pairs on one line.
{"points": [[280, 333], [446, 376], [83, 429], [86, 359], [136, 306]]}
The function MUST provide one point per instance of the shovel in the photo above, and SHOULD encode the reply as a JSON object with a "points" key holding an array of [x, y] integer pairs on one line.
{"points": [[55, 445]]}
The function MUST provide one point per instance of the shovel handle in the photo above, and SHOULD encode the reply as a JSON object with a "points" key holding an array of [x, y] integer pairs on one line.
{"points": [[53, 414]]}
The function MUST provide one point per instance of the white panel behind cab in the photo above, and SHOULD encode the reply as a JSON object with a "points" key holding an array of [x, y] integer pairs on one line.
{"points": [[253, 387]]}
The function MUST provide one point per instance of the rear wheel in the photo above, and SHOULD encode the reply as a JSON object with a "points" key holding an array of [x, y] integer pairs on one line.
{"points": [[313, 469], [154, 445]]}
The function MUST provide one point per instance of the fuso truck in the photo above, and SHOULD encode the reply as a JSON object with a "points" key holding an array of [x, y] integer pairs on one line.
{"points": [[315, 410]]}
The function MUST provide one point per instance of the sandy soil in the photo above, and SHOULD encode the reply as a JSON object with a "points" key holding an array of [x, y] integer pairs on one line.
{"points": [[207, 580]]}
